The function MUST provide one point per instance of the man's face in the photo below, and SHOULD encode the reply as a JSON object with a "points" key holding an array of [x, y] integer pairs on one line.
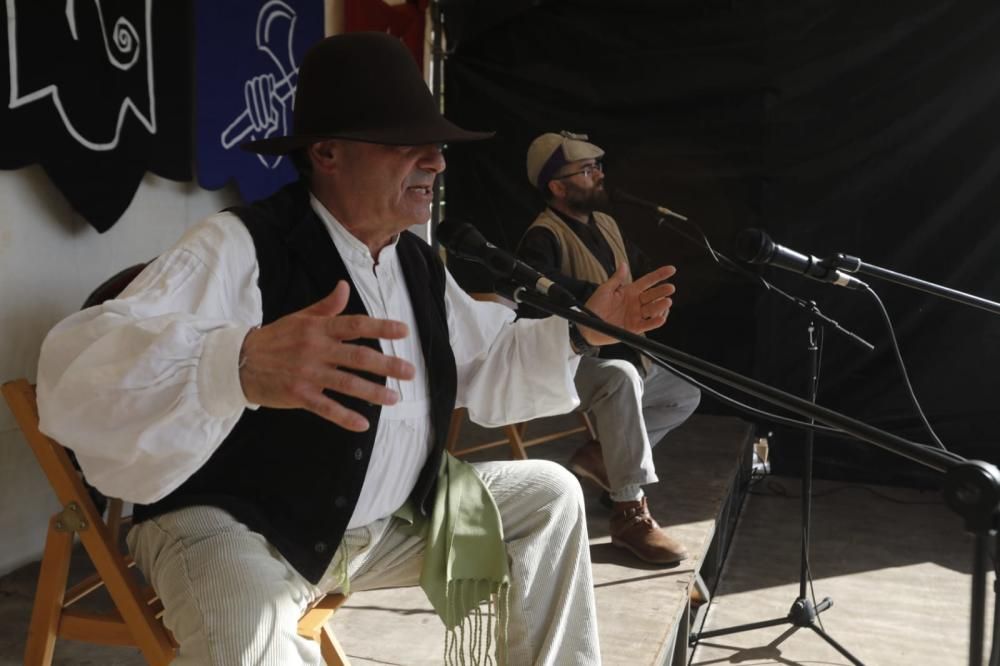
{"points": [[388, 186], [583, 185]]}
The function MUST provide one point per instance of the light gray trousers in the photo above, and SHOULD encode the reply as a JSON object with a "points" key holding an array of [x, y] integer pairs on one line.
{"points": [[632, 414], [231, 599]]}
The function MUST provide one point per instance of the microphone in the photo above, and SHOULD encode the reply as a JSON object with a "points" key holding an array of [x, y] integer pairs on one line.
{"points": [[464, 240], [756, 247], [620, 196]]}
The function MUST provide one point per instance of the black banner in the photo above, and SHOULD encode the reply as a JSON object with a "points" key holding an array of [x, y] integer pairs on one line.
{"points": [[98, 94]]}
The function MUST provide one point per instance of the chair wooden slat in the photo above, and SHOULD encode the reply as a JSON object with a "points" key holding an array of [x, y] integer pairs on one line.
{"points": [[103, 628], [514, 436]]}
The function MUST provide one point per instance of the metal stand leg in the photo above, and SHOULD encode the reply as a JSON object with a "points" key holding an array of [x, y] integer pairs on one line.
{"points": [[802, 613]]}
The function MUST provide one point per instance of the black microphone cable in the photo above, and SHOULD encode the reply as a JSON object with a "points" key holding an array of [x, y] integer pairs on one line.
{"points": [[755, 411], [902, 368], [788, 420], [758, 242], [729, 400], [766, 415]]}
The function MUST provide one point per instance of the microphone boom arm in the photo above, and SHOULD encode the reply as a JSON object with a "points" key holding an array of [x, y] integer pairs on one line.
{"points": [[932, 458], [851, 264]]}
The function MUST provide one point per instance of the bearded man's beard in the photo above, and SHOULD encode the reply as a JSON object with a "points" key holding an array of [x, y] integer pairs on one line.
{"points": [[587, 201]]}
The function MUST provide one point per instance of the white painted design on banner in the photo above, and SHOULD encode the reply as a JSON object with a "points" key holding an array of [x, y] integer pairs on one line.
{"points": [[268, 97], [123, 51]]}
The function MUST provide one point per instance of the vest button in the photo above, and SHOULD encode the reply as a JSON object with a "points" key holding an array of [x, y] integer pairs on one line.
{"points": [[320, 547], [358, 454], [340, 502]]}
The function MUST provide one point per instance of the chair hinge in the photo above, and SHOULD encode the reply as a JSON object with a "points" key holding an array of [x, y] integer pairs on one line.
{"points": [[71, 519]]}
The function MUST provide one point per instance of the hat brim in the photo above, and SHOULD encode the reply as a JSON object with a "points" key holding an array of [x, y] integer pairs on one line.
{"points": [[440, 131]]}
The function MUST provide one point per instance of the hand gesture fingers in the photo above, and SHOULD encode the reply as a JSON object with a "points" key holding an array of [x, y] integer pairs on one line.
{"points": [[647, 300], [312, 397], [640, 306], [291, 362], [353, 327], [654, 277]]}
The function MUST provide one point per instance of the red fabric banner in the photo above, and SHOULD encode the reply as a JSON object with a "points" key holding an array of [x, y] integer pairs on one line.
{"points": [[405, 21]]}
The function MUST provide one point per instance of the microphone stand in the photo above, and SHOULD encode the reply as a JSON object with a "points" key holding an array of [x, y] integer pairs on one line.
{"points": [[971, 487], [982, 527], [803, 612]]}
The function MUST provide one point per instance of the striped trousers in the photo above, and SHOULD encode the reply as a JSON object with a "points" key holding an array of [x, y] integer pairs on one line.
{"points": [[231, 599]]}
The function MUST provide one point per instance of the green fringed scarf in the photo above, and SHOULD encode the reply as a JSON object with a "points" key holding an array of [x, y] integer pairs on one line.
{"points": [[465, 564]]}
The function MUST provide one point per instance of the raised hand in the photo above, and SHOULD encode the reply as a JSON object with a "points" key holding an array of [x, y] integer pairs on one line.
{"points": [[638, 307], [290, 362]]}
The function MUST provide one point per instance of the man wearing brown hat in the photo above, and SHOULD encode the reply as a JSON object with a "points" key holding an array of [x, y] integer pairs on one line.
{"points": [[634, 402], [273, 394]]}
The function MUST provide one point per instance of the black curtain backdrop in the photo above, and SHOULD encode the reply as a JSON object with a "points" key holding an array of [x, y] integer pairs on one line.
{"points": [[865, 128]]}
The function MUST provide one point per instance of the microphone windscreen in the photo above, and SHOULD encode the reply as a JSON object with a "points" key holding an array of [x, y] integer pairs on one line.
{"points": [[460, 238], [753, 246]]}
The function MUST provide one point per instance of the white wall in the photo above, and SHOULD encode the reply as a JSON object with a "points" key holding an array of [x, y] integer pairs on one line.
{"points": [[50, 260]]}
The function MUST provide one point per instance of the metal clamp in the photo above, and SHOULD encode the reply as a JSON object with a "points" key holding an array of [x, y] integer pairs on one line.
{"points": [[71, 519]]}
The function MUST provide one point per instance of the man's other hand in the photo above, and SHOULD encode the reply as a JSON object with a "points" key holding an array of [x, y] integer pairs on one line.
{"points": [[638, 307]]}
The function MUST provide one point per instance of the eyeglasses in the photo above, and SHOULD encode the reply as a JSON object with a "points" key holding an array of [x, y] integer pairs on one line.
{"points": [[587, 171]]}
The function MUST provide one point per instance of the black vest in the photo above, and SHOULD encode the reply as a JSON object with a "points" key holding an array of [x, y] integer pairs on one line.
{"points": [[287, 473]]}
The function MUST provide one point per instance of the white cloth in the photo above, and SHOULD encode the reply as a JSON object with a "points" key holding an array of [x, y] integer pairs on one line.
{"points": [[145, 387]]}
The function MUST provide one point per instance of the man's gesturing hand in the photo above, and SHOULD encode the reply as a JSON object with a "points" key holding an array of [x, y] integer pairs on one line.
{"points": [[289, 362], [637, 307]]}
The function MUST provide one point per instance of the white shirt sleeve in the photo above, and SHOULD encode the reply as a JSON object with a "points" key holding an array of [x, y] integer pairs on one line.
{"points": [[145, 387], [509, 371]]}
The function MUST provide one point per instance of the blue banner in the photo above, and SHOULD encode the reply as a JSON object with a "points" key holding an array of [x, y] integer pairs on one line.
{"points": [[246, 67]]}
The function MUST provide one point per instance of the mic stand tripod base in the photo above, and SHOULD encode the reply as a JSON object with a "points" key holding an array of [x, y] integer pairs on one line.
{"points": [[802, 612]]}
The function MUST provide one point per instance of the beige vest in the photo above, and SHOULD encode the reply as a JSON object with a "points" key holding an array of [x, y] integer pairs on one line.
{"points": [[577, 260]]}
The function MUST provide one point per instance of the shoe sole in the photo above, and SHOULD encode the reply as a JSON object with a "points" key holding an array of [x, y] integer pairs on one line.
{"points": [[622, 544], [583, 473]]}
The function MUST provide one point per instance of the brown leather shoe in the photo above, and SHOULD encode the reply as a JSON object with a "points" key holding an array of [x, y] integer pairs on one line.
{"points": [[633, 527], [588, 463]]}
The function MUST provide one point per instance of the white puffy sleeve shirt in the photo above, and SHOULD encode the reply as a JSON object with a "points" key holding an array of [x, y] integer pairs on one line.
{"points": [[145, 387]]}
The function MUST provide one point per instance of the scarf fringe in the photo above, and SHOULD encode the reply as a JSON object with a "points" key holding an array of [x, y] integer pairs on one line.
{"points": [[479, 638]]}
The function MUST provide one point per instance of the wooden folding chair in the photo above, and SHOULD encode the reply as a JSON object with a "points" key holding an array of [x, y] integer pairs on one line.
{"points": [[135, 621], [514, 435]]}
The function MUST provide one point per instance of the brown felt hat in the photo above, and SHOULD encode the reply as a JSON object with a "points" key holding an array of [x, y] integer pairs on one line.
{"points": [[363, 86]]}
